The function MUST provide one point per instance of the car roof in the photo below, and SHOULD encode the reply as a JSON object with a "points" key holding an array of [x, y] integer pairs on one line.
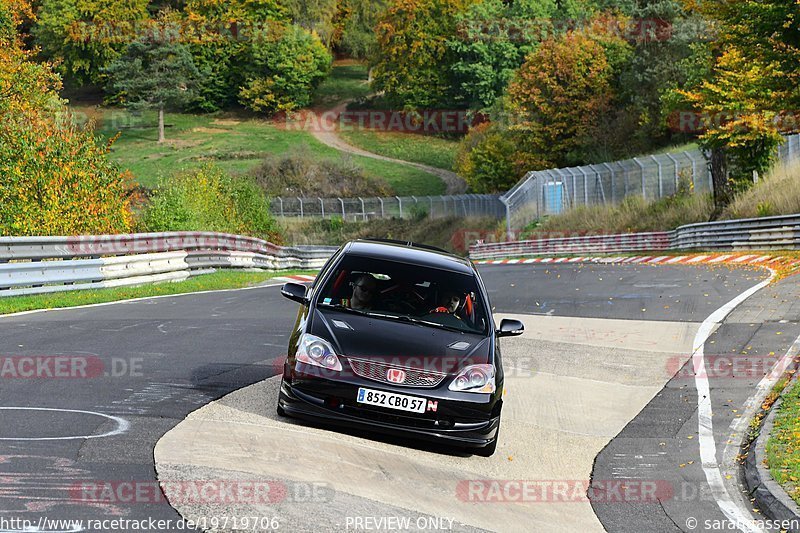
{"points": [[409, 252]]}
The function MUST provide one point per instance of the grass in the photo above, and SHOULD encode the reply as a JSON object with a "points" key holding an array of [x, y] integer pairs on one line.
{"points": [[222, 279], [632, 215], [348, 80], [426, 149], [236, 143], [783, 445], [777, 194]]}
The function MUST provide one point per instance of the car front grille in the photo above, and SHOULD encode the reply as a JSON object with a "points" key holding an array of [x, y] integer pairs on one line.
{"points": [[414, 377]]}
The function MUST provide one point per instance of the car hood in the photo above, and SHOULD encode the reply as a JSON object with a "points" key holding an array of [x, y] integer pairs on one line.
{"points": [[400, 343]]}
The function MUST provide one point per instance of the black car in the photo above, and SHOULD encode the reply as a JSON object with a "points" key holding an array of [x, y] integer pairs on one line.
{"points": [[398, 338]]}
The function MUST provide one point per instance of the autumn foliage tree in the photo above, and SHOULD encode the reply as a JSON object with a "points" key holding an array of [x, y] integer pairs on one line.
{"points": [[56, 178], [752, 82], [412, 43], [558, 99]]}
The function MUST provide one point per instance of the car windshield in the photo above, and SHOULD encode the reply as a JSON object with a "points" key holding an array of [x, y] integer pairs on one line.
{"points": [[391, 290]]}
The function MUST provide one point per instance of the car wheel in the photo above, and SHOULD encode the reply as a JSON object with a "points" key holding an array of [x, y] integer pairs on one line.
{"points": [[489, 449]]}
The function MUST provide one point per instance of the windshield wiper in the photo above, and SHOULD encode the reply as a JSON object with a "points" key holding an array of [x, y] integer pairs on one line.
{"points": [[340, 307], [418, 321]]}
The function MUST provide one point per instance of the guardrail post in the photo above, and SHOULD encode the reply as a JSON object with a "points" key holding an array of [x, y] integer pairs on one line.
{"points": [[344, 215], [301, 205], [322, 207], [363, 211], [281, 201], [641, 169], [381, 201], [400, 203]]}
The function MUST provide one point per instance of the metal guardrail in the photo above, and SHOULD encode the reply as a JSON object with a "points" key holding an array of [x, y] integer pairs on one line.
{"points": [[766, 233], [32, 265], [594, 244]]}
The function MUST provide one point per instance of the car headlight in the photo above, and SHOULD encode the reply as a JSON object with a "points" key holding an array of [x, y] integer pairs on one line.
{"points": [[474, 378], [317, 351]]}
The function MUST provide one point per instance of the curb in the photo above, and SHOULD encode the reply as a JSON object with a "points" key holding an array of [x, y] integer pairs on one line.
{"points": [[766, 494]]}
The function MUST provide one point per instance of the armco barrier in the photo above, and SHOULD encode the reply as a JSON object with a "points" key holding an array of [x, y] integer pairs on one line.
{"points": [[766, 233], [32, 265], [598, 244]]}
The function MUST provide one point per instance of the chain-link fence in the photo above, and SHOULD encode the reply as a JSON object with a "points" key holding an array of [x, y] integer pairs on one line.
{"points": [[539, 193], [463, 205], [549, 192]]}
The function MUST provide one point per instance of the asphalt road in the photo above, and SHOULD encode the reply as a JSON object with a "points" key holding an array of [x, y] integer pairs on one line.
{"points": [[167, 357]]}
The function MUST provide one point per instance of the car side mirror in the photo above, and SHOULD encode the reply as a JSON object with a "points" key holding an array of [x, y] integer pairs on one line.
{"points": [[510, 328], [295, 292]]}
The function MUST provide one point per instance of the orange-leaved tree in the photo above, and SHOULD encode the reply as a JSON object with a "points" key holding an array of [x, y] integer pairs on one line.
{"points": [[55, 178]]}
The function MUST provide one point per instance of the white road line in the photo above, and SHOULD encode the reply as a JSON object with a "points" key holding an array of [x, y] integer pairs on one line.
{"points": [[720, 258], [122, 424], [133, 300], [677, 259], [708, 446]]}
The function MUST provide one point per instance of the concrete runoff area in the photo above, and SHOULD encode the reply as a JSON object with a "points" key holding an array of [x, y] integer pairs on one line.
{"points": [[563, 403]]}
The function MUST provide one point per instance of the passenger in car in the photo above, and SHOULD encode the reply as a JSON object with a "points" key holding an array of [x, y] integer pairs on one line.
{"points": [[449, 303]]}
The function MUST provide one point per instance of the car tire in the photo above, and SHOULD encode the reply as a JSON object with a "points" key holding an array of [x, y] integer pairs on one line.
{"points": [[280, 411], [489, 449]]}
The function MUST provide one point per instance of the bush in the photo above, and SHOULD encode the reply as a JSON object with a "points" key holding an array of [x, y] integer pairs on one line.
{"points": [[486, 160], [208, 199], [285, 71], [299, 174]]}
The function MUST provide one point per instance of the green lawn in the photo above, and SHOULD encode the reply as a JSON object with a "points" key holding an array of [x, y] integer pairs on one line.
{"points": [[236, 143], [222, 279], [434, 151], [783, 446], [347, 81]]}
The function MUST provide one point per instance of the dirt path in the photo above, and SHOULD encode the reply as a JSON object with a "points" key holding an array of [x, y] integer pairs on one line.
{"points": [[454, 183]]}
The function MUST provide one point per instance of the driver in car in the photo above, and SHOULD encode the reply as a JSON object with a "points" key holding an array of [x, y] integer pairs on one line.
{"points": [[364, 289]]}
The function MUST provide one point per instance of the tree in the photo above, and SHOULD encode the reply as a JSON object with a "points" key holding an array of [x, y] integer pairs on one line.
{"points": [[153, 74], [85, 36], [284, 71], [754, 74], [412, 45], [57, 179], [558, 99], [489, 45], [358, 19]]}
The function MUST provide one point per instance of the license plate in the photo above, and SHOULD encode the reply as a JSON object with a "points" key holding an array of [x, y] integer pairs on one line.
{"points": [[401, 402]]}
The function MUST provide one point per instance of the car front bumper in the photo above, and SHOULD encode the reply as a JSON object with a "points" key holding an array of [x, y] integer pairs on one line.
{"points": [[334, 402]]}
